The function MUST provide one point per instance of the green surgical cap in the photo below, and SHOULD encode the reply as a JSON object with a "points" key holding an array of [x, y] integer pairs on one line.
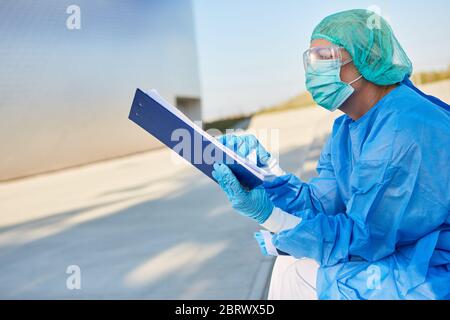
{"points": [[369, 39]]}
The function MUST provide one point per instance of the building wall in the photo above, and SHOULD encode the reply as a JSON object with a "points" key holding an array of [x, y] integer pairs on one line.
{"points": [[65, 93]]}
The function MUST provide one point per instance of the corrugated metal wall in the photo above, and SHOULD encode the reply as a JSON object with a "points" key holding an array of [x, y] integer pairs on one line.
{"points": [[65, 93]]}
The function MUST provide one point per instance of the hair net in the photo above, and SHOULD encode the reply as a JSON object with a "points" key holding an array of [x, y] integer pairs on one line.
{"points": [[369, 39]]}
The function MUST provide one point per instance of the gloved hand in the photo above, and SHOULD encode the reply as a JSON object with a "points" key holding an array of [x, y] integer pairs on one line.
{"points": [[261, 243], [244, 145], [289, 193], [253, 204]]}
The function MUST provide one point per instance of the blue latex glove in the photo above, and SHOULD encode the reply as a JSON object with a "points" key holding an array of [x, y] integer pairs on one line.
{"points": [[261, 243], [253, 204], [244, 145]]}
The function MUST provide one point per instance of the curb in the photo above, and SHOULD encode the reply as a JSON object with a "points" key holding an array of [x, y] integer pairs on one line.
{"points": [[260, 286]]}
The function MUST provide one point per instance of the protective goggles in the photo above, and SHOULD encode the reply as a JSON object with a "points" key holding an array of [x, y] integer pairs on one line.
{"points": [[330, 55]]}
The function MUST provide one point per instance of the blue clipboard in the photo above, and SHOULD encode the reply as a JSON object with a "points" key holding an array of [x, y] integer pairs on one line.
{"points": [[161, 120]]}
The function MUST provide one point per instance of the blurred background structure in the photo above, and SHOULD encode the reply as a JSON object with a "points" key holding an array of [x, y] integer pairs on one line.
{"points": [[66, 93], [82, 185]]}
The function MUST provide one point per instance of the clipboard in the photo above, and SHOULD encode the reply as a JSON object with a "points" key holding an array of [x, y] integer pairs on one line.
{"points": [[168, 124]]}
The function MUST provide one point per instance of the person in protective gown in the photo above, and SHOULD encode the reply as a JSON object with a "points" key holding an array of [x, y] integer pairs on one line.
{"points": [[374, 223]]}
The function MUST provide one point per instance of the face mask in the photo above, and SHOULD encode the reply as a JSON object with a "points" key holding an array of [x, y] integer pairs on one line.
{"points": [[324, 82]]}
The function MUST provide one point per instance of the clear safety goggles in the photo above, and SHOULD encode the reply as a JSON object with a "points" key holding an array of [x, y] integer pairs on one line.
{"points": [[331, 55]]}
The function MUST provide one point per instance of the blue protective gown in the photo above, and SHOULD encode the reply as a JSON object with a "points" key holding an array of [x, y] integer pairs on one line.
{"points": [[376, 218]]}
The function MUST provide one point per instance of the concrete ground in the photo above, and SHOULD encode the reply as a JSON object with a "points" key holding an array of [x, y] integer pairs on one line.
{"points": [[138, 227], [142, 227]]}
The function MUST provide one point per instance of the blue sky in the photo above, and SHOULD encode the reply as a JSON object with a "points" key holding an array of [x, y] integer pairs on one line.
{"points": [[249, 51]]}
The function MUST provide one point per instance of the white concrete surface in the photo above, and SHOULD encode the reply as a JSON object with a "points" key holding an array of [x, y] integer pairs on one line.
{"points": [[439, 89]]}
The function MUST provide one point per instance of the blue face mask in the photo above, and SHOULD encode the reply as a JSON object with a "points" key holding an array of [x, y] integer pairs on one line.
{"points": [[323, 81]]}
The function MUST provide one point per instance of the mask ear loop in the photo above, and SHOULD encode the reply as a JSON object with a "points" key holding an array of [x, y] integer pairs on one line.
{"points": [[347, 62], [357, 79]]}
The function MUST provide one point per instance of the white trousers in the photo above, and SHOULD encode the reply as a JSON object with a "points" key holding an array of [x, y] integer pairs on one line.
{"points": [[293, 279]]}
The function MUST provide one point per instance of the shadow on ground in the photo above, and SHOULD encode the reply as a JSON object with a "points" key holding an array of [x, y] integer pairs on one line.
{"points": [[186, 245]]}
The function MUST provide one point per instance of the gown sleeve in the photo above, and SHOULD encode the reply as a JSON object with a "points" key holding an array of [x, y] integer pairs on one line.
{"points": [[390, 205], [292, 195]]}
